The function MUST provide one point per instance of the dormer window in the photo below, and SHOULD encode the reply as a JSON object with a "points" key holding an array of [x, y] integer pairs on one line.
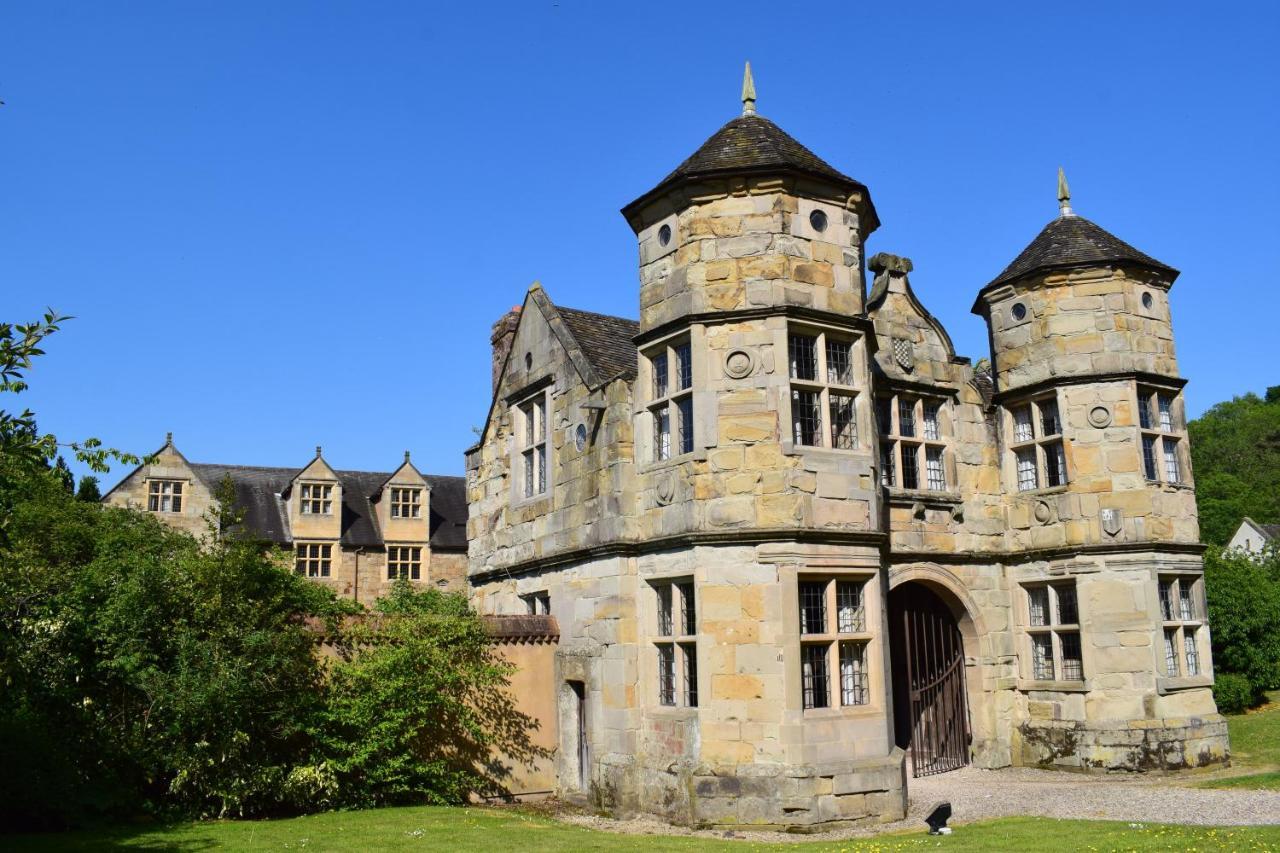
{"points": [[164, 496], [317, 499], [406, 503]]}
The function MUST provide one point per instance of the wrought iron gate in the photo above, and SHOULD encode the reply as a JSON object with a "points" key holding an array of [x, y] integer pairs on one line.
{"points": [[932, 663]]}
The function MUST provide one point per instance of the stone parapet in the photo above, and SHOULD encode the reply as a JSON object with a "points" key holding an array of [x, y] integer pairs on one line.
{"points": [[1143, 745]]}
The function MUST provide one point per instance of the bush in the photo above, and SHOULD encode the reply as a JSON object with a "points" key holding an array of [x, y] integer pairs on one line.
{"points": [[1234, 693], [1243, 594]]}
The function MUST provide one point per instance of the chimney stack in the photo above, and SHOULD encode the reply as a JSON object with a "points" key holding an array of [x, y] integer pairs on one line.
{"points": [[504, 333]]}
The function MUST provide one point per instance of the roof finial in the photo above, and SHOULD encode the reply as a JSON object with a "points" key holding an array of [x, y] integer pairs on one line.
{"points": [[1064, 195], [317, 451], [748, 93], [168, 438], [406, 456]]}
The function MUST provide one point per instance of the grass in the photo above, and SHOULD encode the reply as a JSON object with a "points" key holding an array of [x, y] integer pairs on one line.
{"points": [[491, 830], [1255, 743]]}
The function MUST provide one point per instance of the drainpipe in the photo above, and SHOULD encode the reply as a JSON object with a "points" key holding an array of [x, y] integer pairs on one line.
{"points": [[355, 586]]}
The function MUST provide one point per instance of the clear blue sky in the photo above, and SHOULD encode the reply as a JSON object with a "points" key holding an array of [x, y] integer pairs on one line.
{"points": [[289, 224]]}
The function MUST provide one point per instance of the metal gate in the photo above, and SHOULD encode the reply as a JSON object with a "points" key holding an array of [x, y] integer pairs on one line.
{"points": [[930, 659]]}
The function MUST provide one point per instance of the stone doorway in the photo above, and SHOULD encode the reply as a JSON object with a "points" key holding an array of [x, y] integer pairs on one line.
{"points": [[930, 703]]}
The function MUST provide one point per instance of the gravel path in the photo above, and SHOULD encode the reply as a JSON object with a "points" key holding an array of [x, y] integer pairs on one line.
{"points": [[982, 794]]}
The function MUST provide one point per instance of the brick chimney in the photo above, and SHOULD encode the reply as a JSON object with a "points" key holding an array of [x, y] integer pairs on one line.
{"points": [[504, 333]]}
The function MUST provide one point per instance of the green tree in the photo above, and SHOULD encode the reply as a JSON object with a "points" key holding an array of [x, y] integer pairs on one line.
{"points": [[89, 490], [416, 707], [1244, 610], [1235, 453]]}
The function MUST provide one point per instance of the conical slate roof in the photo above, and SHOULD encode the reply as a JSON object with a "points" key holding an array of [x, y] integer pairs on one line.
{"points": [[750, 144], [1073, 241]]}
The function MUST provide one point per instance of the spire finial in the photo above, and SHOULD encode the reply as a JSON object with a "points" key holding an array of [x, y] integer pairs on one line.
{"points": [[317, 451], [748, 92], [406, 456], [168, 438], [1064, 195]]}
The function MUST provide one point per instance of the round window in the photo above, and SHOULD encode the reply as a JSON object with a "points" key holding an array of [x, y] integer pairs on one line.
{"points": [[1019, 312], [1147, 301], [818, 220], [580, 437], [664, 234]]}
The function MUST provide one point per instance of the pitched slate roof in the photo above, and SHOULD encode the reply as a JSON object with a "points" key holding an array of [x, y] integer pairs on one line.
{"points": [[258, 493], [608, 342], [749, 144], [1073, 241]]}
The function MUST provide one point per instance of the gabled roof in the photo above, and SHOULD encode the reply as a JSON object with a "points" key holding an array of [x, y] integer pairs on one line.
{"points": [[751, 144], [608, 342], [1073, 241], [258, 492], [1267, 531]]}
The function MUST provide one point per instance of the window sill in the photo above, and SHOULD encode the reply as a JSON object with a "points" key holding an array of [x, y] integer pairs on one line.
{"points": [[675, 712], [790, 448], [521, 503], [842, 712], [1164, 684], [1045, 492], [675, 461], [899, 495], [1026, 685]]}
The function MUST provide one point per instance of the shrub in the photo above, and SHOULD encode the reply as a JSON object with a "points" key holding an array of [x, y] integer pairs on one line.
{"points": [[1243, 594], [1234, 693]]}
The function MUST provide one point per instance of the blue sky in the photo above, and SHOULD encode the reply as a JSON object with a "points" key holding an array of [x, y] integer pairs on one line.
{"points": [[288, 224]]}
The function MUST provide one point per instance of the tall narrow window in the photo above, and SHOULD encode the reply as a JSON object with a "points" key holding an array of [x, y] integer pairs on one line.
{"points": [[534, 451], [1162, 432], [1039, 455], [671, 406], [1053, 626], [912, 440], [676, 643], [824, 401], [1181, 608], [833, 636], [164, 495]]}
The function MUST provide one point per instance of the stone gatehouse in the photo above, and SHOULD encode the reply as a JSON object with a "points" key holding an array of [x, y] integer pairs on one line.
{"points": [[798, 549]]}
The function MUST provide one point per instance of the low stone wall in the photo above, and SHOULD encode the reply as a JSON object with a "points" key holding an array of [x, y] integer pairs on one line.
{"points": [[529, 643], [1133, 746], [762, 796]]}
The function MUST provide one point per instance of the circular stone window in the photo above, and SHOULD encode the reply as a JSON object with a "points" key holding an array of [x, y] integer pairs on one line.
{"points": [[664, 235], [580, 437], [818, 220], [1147, 301], [1018, 312]]}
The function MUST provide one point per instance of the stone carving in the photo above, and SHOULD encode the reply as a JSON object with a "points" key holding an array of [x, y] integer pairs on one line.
{"points": [[1043, 512], [1111, 521], [738, 364], [1100, 416], [904, 354], [665, 488]]}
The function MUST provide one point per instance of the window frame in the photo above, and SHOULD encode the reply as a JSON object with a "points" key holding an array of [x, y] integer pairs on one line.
{"points": [[902, 452], [1186, 626], [675, 641], [406, 560], [157, 496], [1048, 451], [405, 499], [1054, 630], [670, 403], [533, 447], [537, 603], [829, 645], [317, 556], [826, 386], [308, 501], [1162, 431]]}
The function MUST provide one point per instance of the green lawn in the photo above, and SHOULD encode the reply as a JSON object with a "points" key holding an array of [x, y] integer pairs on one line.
{"points": [[1255, 742], [495, 830]]}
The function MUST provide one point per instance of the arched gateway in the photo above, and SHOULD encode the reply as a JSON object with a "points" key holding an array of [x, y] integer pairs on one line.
{"points": [[931, 706]]}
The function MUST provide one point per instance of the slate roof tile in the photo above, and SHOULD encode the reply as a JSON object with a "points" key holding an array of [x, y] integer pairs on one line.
{"points": [[607, 341], [1072, 241]]}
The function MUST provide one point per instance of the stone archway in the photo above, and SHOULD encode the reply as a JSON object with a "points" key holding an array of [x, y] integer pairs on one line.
{"points": [[988, 748]]}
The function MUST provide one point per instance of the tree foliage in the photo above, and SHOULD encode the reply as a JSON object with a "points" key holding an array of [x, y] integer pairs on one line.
{"points": [[1244, 612], [1235, 453]]}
